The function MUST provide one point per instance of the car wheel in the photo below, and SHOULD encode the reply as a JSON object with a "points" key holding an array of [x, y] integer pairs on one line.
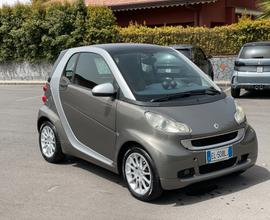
{"points": [[235, 92], [140, 175], [49, 143]]}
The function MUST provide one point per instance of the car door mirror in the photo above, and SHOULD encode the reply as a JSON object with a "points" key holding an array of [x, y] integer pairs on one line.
{"points": [[64, 82], [104, 90]]}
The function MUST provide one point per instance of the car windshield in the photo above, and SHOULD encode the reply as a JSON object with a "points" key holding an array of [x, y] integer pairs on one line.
{"points": [[256, 52], [156, 73]]}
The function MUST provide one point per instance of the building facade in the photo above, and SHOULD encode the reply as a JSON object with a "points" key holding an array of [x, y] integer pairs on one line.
{"points": [[209, 13]]}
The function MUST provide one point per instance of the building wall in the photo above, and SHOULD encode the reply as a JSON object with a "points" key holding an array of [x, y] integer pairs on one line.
{"points": [[156, 16], [213, 13], [24, 71], [210, 15], [249, 4]]}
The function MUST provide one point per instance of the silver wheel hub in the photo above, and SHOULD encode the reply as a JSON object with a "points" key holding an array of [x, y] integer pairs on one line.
{"points": [[47, 141], [138, 174]]}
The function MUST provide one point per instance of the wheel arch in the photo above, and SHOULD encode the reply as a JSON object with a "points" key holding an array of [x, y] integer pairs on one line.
{"points": [[123, 149], [41, 120]]}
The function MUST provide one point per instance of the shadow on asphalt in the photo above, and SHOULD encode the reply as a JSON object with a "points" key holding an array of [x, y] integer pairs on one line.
{"points": [[97, 170], [256, 95], [194, 193], [215, 188]]}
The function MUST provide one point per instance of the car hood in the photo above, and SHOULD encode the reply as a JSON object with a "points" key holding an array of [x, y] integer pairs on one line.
{"points": [[202, 118]]}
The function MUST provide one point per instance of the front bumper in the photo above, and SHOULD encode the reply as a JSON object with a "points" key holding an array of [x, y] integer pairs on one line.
{"points": [[170, 167]]}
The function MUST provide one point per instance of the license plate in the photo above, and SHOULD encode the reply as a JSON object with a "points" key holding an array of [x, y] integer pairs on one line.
{"points": [[259, 69], [219, 154]]}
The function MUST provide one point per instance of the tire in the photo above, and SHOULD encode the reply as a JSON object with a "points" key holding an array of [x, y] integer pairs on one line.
{"points": [[140, 188], [235, 92], [49, 143]]}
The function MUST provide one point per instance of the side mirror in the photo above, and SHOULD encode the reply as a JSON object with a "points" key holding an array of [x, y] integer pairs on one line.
{"points": [[104, 90], [209, 56]]}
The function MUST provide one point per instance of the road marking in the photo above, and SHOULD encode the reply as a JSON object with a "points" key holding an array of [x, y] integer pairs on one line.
{"points": [[28, 98], [227, 90], [53, 188]]}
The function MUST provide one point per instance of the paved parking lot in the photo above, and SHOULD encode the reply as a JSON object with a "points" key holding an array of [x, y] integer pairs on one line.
{"points": [[30, 188]]}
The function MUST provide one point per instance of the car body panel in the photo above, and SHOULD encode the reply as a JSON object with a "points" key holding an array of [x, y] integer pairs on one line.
{"points": [[85, 113]]}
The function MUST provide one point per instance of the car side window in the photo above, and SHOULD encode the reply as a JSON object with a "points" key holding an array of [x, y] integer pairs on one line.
{"points": [[70, 67], [92, 70]]}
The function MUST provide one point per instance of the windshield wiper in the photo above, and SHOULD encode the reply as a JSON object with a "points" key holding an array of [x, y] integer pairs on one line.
{"points": [[208, 91], [212, 91]]}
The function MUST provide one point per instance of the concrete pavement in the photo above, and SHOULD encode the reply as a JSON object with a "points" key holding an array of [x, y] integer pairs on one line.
{"points": [[31, 188]]}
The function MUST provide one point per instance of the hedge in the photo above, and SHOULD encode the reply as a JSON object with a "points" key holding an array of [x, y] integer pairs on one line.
{"points": [[38, 32], [222, 40]]}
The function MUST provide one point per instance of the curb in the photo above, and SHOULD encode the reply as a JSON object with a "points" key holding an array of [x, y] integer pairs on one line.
{"points": [[223, 83]]}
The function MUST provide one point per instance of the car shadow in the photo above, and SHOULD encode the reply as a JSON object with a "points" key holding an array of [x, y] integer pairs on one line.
{"points": [[192, 194], [256, 95], [97, 170], [215, 188]]}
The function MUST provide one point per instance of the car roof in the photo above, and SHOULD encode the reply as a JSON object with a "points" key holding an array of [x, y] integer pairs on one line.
{"points": [[182, 46], [116, 47], [259, 43]]}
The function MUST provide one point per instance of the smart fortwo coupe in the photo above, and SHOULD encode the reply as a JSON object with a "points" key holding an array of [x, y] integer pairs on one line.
{"points": [[146, 112]]}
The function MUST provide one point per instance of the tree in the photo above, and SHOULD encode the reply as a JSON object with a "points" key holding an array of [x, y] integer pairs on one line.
{"points": [[265, 6], [34, 2]]}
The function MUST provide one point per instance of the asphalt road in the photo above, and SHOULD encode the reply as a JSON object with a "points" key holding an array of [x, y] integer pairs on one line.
{"points": [[31, 188]]}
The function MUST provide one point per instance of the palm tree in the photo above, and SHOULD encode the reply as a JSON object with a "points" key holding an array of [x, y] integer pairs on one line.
{"points": [[265, 6]]}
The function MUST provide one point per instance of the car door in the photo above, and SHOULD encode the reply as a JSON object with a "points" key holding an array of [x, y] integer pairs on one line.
{"points": [[91, 118]]}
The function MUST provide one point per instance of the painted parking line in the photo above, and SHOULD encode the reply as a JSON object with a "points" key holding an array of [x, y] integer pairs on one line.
{"points": [[227, 90], [28, 98]]}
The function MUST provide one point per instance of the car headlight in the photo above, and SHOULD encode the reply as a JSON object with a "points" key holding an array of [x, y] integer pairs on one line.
{"points": [[239, 115], [163, 124]]}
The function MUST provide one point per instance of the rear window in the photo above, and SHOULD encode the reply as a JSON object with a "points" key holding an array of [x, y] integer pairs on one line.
{"points": [[256, 52]]}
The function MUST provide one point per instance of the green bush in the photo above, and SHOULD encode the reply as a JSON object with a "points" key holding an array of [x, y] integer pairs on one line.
{"points": [[11, 19], [38, 32], [100, 26], [222, 40]]}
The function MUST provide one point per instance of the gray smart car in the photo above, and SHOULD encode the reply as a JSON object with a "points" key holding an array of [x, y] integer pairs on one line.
{"points": [[145, 112], [252, 68]]}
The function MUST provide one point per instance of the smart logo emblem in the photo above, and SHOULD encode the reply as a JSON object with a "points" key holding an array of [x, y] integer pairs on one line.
{"points": [[216, 126]]}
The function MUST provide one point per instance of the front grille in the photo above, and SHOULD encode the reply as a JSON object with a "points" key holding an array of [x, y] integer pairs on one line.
{"points": [[208, 168], [214, 140]]}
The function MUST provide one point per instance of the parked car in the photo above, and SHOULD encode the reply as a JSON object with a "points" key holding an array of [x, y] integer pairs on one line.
{"points": [[198, 57], [146, 112], [252, 68]]}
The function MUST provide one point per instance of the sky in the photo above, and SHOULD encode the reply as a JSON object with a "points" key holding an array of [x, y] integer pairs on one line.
{"points": [[11, 2]]}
